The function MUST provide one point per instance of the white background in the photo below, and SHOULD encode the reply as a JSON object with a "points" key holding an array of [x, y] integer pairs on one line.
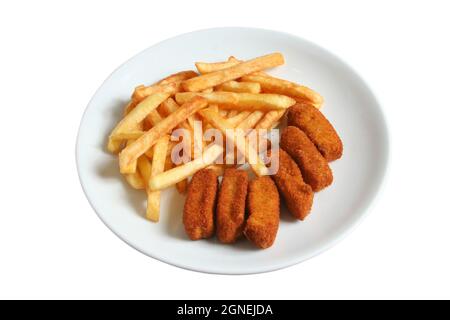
{"points": [[55, 54]]}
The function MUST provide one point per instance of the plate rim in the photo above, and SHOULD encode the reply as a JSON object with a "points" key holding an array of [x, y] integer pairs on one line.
{"points": [[369, 206]]}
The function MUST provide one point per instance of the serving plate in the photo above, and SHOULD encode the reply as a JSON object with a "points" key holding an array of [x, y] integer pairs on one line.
{"points": [[349, 105]]}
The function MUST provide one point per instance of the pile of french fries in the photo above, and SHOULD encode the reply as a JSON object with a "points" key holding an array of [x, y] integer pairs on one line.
{"points": [[233, 94]]}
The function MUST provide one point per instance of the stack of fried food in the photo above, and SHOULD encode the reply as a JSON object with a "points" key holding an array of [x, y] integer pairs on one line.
{"points": [[233, 94]]}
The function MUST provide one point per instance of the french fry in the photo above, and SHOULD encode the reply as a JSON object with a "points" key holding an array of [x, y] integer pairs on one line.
{"points": [[170, 106], [179, 76], [152, 119], [238, 118], [132, 152], [208, 90], [251, 120], [177, 174], [234, 86], [158, 161], [135, 180], [206, 67], [274, 85], [128, 135], [243, 145], [135, 117], [269, 119], [141, 92], [240, 101], [130, 106], [218, 77]]}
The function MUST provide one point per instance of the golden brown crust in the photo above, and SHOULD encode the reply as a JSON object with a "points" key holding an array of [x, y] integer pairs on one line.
{"points": [[318, 129], [230, 213], [315, 169], [198, 214], [263, 204], [295, 192]]}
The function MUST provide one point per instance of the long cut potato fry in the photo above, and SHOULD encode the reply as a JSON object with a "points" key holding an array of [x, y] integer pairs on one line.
{"points": [[241, 101], [177, 174], [234, 121], [269, 119], [234, 86], [251, 120], [141, 92], [179, 76], [218, 77], [274, 85], [243, 145], [141, 145], [158, 161], [135, 116], [207, 67], [135, 180]]}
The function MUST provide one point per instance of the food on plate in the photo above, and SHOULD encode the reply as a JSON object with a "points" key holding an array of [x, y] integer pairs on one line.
{"points": [[291, 89], [135, 116], [318, 129], [263, 202], [242, 145], [230, 212], [315, 169], [198, 213], [297, 195], [179, 173], [141, 145], [164, 140], [235, 86], [241, 101], [232, 73]]}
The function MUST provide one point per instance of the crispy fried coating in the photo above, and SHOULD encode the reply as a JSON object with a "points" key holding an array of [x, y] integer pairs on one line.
{"points": [[315, 169], [198, 214], [263, 203], [230, 212], [318, 129], [297, 195]]}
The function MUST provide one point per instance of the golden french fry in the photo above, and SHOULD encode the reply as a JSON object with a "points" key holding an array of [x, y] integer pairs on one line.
{"points": [[234, 86], [238, 118], [205, 67], [243, 145], [135, 117], [274, 85], [179, 76], [132, 152], [251, 120], [145, 169], [208, 90], [269, 119], [158, 161], [130, 106], [177, 174], [240, 101], [142, 92], [152, 119], [135, 180], [218, 77], [170, 106], [128, 135]]}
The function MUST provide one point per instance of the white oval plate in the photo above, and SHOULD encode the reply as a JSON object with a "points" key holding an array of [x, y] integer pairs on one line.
{"points": [[349, 105]]}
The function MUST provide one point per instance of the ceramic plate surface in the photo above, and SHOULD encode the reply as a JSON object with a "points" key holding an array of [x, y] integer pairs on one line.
{"points": [[349, 105]]}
